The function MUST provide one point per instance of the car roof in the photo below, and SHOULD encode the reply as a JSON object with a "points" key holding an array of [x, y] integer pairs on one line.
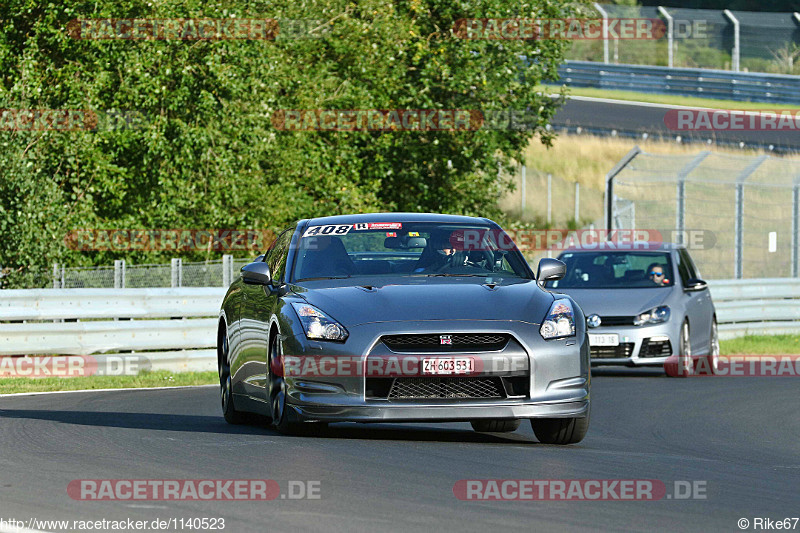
{"points": [[398, 217], [637, 246]]}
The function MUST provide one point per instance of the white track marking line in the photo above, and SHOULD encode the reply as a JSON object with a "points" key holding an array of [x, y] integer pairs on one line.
{"points": [[103, 390]]}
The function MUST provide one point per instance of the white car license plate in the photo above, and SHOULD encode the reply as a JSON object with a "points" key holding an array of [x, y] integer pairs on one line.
{"points": [[449, 365], [609, 339]]}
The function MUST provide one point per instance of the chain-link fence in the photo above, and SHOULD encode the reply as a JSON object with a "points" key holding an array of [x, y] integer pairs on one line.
{"points": [[550, 201], [177, 273], [739, 213], [704, 38]]}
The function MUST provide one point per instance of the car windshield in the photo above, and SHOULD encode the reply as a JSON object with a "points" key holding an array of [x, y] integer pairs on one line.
{"points": [[394, 249], [615, 270]]}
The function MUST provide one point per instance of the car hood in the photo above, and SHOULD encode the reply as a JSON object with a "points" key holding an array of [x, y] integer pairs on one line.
{"points": [[430, 300], [617, 302]]}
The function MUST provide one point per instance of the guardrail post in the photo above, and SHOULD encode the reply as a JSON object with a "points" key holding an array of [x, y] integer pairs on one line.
{"points": [[605, 31], [177, 272], [670, 35], [735, 51], [739, 222], [227, 270], [522, 190], [795, 228], [680, 211], [609, 194], [119, 273]]}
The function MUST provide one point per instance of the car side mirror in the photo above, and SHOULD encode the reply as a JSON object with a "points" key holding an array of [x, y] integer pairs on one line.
{"points": [[695, 284], [550, 270], [257, 274]]}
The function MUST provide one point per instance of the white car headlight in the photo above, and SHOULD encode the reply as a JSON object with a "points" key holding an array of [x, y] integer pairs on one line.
{"points": [[559, 322], [656, 315], [318, 325]]}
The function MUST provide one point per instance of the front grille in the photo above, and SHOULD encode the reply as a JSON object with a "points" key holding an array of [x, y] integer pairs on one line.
{"points": [[625, 349], [444, 388], [616, 321], [655, 348], [458, 342]]}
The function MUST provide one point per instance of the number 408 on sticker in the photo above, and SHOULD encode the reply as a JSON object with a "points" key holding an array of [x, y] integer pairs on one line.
{"points": [[335, 229]]}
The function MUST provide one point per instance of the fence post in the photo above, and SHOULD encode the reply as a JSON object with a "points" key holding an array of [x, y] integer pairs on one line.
{"points": [[119, 273], [177, 272], [739, 222], [605, 31], [549, 198], [522, 189], [55, 275], [735, 51], [670, 35], [577, 202], [227, 270], [680, 211], [795, 224], [609, 194], [63, 277]]}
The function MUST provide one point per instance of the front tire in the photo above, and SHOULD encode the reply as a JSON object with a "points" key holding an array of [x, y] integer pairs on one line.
{"points": [[560, 430], [685, 360], [495, 426], [232, 416]]}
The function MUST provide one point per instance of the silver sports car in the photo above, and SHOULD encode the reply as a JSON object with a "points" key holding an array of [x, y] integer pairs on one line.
{"points": [[643, 303], [399, 318]]}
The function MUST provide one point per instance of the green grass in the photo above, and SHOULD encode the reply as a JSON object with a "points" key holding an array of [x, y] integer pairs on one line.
{"points": [[689, 101], [160, 378], [761, 345]]}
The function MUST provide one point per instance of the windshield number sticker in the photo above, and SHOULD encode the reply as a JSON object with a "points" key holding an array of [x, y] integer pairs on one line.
{"points": [[360, 226], [335, 229]]}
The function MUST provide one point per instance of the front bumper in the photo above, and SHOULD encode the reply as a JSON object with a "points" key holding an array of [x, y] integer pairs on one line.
{"points": [[638, 345], [556, 375]]}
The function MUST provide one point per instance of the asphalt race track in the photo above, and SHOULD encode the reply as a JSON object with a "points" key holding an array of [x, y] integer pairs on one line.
{"points": [[601, 115], [739, 435]]}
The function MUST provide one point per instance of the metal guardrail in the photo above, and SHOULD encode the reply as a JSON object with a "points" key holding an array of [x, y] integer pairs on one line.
{"points": [[704, 83], [757, 306], [91, 321]]}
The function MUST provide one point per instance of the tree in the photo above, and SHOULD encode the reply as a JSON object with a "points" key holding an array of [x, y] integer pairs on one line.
{"points": [[207, 155]]}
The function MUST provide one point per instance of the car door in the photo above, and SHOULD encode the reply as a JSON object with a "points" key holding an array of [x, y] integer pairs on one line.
{"points": [[258, 303], [696, 303]]}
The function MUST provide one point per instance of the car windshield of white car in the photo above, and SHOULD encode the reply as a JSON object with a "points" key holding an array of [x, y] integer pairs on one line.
{"points": [[394, 249], [615, 270]]}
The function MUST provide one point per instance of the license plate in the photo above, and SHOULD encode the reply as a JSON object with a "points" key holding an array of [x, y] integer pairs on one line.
{"points": [[609, 339], [450, 365]]}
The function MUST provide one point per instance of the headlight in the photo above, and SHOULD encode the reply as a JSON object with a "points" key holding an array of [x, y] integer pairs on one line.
{"points": [[559, 322], [656, 315], [318, 325]]}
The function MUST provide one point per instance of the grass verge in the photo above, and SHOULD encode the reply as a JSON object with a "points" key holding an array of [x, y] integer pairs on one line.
{"points": [[761, 345], [667, 99], [160, 378]]}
